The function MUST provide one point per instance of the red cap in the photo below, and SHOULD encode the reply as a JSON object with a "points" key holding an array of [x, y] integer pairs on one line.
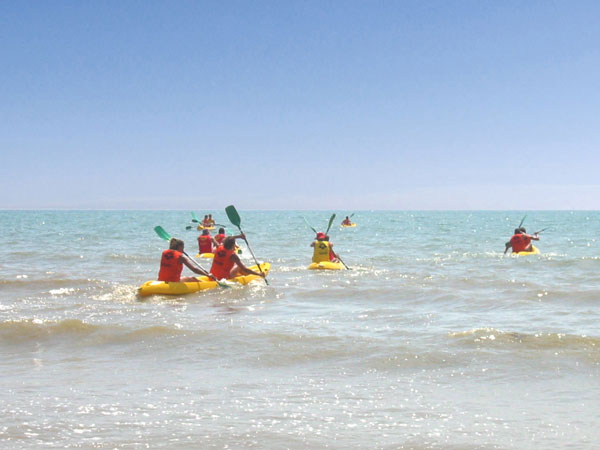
{"points": [[320, 235]]}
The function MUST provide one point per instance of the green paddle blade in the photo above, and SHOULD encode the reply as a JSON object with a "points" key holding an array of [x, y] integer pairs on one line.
{"points": [[194, 218], [351, 216], [330, 222], [522, 220], [162, 233], [233, 215]]}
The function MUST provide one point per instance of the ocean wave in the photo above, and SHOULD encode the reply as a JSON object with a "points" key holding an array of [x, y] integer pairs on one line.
{"points": [[531, 341], [78, 331]]}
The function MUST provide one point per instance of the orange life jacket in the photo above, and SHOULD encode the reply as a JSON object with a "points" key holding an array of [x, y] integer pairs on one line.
{"points": [[519, 242], [222, 263], [170, 266], [204, 243], [220, 237]]}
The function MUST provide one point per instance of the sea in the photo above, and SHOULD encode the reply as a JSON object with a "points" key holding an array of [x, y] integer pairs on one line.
{"points": [[433, 339]]}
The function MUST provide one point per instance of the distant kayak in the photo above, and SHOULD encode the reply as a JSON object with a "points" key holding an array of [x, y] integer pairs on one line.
{"points": [[352, 225], [326, 265], [154, 287], [534, 251], [202, 227]]}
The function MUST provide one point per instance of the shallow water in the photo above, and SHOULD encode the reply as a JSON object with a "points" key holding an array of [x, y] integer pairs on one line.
{"points": [[434, 339]]}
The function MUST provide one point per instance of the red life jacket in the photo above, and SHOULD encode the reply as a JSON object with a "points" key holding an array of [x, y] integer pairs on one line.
{"points": [[220, 237], [222, 263], [170, 266], [519, 242], [204, 243]]}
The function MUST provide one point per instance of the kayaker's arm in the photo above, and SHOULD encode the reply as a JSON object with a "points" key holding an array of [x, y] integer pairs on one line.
{"points": [[192, 266], [507, 246], [243, 268], [535, 237]]}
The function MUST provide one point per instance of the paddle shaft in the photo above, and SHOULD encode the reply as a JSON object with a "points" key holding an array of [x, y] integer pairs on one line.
{"points": [[254, 257]]}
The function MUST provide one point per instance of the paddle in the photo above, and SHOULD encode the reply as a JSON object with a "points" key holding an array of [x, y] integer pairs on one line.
{"points": [[167, 237], [330, 222], [194, 218], [235, 219], [543, 229], [338, 257], [309, 226], [522, 220]]}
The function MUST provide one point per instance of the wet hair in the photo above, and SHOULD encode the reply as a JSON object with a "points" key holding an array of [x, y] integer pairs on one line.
{"points": [[517, 231], [221, 230], [229, 242], [205, 232], [523, 230], [175, 243]]}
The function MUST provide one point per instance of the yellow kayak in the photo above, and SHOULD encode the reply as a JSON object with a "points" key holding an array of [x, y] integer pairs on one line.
{"points": [[352, 225], [326, 265], [202, 227], [154, 287], [534, 251]]}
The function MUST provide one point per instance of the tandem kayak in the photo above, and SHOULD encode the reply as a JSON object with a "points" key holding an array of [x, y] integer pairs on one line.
{"points": [[154, 287], [326, 265], [534, 251], [202, 227], [352, 225]]}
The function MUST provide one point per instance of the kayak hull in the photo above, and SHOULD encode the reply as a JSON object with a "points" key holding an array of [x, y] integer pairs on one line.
{"points": [[326, 265], [154, 287], [534, 251], [352, 225], [202, 227]]}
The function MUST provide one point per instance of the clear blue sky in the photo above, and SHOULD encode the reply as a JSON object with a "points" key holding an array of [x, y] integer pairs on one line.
{"points": [[300, 105]]}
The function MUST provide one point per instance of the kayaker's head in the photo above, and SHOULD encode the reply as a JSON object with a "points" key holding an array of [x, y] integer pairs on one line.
{"points": [[523, 230], [320, 236], [205, 232], [517, 231], [221, 230], [176, 244], [229, 242]]}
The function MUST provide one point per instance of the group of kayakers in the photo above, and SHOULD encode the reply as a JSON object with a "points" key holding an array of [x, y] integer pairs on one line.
{"points": [[227, 264]]}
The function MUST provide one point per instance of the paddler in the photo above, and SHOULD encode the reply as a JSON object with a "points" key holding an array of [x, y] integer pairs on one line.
{"points": [[323, 249], [211, 221], [220, 236], [521, 241], [205, 222], [172, 261], [227, 264], [346, 221], [206, 242]]}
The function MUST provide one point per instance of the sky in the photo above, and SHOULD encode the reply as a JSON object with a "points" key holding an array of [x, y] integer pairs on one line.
{"points": [[350, 105]]}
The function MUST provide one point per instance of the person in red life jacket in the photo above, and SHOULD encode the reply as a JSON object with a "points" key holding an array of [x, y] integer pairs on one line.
{"points": [[521, 241], [333, 257], [206, 242], [172, 261], [211, 221], [227, 264], [206, 221], [220, 236], [346, 221]]}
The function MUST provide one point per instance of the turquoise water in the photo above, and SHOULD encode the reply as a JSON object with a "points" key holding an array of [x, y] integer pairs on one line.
{"points": [[434, 339]]}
